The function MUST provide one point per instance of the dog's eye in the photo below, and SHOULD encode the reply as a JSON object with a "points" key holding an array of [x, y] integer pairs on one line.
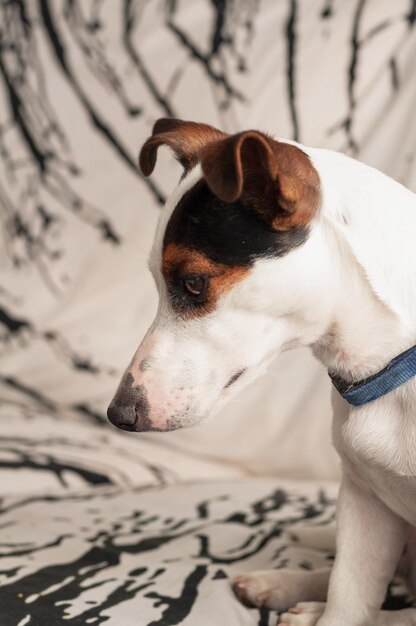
{"points": [[195, 285]]}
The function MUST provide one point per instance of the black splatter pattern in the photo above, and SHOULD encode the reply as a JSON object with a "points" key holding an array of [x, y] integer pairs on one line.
{"points": [[96, 525]]}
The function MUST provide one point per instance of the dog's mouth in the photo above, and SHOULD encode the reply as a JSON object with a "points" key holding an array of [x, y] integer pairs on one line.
{"points": [[137, 408], [131, 418], [235, 377]]}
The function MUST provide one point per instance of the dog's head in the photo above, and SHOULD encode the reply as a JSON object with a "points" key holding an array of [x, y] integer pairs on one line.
{"points": [[239, 268]]}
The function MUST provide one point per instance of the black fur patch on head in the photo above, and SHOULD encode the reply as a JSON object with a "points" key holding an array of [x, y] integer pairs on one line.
{"points": [[227, 233]]}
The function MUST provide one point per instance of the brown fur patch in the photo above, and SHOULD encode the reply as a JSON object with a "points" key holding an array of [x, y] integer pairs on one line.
{"points": [[277, 179], [185, 139], [180, 260]]}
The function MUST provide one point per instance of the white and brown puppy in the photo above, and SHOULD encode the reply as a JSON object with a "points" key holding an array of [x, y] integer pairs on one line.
{"points": [[263, 246]]}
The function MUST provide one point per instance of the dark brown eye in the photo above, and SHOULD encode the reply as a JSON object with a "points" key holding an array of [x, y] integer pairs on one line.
{"points": [[195, 285]]}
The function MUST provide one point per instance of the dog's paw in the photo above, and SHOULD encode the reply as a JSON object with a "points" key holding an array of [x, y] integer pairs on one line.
{"points": [[275, 589], [254, 589], [303, 614]]}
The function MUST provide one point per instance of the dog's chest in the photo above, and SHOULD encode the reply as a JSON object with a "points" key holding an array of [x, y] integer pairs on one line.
{"points": [[379, 444]]}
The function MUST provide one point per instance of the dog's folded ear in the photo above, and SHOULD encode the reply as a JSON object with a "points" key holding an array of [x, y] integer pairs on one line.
{"points": [[186, 139], [276, 179]]}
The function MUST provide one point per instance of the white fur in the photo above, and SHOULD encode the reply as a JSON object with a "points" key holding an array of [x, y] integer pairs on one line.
{"points": [[349, 292]]}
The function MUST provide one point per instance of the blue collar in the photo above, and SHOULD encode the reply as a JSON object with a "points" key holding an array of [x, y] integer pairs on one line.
{"points": [[401, 369]]}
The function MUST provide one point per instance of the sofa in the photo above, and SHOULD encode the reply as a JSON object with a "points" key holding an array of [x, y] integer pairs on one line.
{"points": [[102, 526]]}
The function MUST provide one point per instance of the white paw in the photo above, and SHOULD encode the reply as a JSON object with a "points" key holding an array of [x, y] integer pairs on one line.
{"points": [[275, 589], [303, 614], [254, 589]]}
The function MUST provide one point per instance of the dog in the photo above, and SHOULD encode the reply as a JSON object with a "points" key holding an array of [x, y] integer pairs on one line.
{"points": [[266, 245]]}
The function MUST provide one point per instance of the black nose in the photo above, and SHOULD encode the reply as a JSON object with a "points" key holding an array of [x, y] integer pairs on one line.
{"points": [[129, 409], [122, 416]]}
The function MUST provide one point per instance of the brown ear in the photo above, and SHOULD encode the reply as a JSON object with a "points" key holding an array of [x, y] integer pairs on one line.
{"points": [[186, 139], [277, 179]]}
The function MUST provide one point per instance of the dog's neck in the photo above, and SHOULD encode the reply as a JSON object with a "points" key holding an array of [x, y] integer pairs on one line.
{"points": [[371, 233], [364, 335]]}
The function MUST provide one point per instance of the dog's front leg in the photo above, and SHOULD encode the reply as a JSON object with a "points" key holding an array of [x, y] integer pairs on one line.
{"points": [[370, 539]]}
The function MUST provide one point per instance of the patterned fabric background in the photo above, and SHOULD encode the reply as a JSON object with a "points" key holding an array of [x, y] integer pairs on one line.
{"points": [[81, 84], [131, 558]]}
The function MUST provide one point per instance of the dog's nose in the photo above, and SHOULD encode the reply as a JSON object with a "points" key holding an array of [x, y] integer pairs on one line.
{"points": [[129, 409], [122, 416], [133, 417]]}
